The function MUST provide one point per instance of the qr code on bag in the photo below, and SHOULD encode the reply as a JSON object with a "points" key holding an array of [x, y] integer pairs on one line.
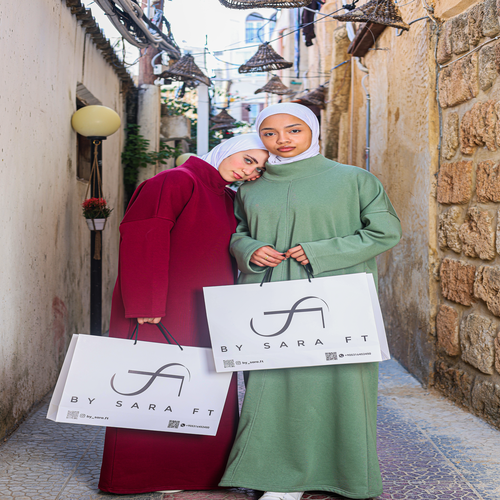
{"points": [[72, 414], [173, 424], [331, 356], [228, 363]]}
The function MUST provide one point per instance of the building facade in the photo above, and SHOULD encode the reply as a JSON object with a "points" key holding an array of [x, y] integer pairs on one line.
{"points": [[427, 100], [53, 61]]}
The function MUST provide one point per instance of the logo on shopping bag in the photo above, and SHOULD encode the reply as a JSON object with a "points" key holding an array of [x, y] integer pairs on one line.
{"points": [[153, 376], [291, 312]]}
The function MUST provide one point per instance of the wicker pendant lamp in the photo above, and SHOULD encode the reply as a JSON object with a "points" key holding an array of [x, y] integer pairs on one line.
{"points": [[275, 86], [186, 70], [265, 59], [315, 97], [259, 4], [223, 117], [223, 126], [384, 12]]}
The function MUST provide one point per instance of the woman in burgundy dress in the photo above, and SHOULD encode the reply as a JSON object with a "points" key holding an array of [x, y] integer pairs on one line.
{"points": [[174, 241]]}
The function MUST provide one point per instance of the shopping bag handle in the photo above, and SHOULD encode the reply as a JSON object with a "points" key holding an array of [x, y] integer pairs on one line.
{"points": [[162, 329], [269, 272]]}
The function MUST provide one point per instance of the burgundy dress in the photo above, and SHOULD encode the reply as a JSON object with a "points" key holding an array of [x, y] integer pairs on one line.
{"points": [[174, 241]]}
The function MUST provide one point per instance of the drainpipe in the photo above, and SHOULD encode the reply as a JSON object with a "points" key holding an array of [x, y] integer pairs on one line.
{"points": [[351, 34], [367, 149], [297, 42]]}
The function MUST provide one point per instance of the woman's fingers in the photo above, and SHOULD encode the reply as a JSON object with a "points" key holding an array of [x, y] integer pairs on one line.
{"points": [[298, 254], [295, 252], [263, 263], [273, 254], [155, 321], [267, 256], [254, 178]]}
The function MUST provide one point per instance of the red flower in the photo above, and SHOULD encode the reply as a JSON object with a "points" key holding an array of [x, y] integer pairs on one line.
{"points": [[96, 208]]}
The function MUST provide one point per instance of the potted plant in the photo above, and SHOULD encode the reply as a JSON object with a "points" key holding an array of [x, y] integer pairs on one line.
{"points": [[96, 212]]}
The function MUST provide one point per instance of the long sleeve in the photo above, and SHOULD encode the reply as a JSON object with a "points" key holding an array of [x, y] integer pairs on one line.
{"points": [[380, 231], [145, 243], [242, 245]]}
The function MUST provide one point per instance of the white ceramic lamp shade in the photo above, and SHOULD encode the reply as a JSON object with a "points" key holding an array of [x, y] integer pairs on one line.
{"points": [[95, 121]]}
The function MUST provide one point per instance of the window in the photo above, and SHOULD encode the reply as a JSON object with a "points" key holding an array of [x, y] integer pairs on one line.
{"points": [[253, 24], [249, 112], [84, 152], [259, 29], [84, 149]]}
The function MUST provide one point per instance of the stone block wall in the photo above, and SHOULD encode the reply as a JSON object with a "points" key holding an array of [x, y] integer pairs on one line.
{"points": [[467, 367]]}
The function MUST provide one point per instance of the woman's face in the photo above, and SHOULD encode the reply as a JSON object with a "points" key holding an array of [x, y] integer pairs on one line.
{"points": [[285, 135], [243, 166]]}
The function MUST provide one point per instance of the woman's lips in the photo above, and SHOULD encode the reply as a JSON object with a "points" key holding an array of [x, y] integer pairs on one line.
{"points": [[286, 149], [238, 177]]}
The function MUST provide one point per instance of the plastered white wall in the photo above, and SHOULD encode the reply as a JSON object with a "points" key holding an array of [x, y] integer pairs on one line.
{"points": [[45, 250]]}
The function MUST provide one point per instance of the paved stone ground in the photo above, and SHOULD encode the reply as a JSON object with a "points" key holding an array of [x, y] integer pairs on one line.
{"points": [[429, 449]]}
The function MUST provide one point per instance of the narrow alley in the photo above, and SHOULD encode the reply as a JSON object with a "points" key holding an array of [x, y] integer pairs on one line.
{"points": [[429, 449]]}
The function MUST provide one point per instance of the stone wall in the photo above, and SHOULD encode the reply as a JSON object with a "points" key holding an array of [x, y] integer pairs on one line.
{"points": [[404, 137], [435, 146], [467, 366]]}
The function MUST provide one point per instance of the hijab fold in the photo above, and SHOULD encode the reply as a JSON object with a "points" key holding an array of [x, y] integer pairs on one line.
{"points": [[232, 146], [304, 114]]}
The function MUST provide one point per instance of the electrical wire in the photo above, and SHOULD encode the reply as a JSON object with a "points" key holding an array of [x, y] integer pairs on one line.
{"points": [[132, 23], [229, 49], [285, 34], [442, 66], [405, 4], [263, 26]]}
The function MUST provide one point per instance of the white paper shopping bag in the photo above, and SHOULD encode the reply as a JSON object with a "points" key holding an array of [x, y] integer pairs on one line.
{"points": [[116, 383], [285, 324]]}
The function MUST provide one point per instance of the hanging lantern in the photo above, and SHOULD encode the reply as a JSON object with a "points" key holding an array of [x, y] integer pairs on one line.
{"points": [[315, 97], [265, 59], [384, 12], [259, 4], [223, 121], [186, 70], [223, 125], [275, 86], [223, 117]]}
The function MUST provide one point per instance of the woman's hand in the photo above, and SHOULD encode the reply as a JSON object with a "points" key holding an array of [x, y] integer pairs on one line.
{"points": [[298, 254], [154, 321], [267, 256], [254, 177], [258, 173]]}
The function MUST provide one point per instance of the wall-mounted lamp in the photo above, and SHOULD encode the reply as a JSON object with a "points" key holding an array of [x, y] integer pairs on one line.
{"points": [[96, 123]]}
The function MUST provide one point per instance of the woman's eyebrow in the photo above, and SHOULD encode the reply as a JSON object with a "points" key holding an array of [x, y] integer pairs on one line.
{"points": [[296, 125], [252, 158]]}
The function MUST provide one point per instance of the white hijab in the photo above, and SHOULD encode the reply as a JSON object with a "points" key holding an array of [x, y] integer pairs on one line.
{"points": [[234, 145], [299, 111]]}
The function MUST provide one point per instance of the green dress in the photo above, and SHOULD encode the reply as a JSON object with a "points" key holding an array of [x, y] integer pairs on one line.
{"points": [[307, 429]]}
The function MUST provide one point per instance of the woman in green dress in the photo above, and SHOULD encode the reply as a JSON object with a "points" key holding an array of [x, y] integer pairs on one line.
{"points": [[308, 429]]}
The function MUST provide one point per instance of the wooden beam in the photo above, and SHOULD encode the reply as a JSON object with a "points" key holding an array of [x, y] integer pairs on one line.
{"points": [[365, 39]]}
